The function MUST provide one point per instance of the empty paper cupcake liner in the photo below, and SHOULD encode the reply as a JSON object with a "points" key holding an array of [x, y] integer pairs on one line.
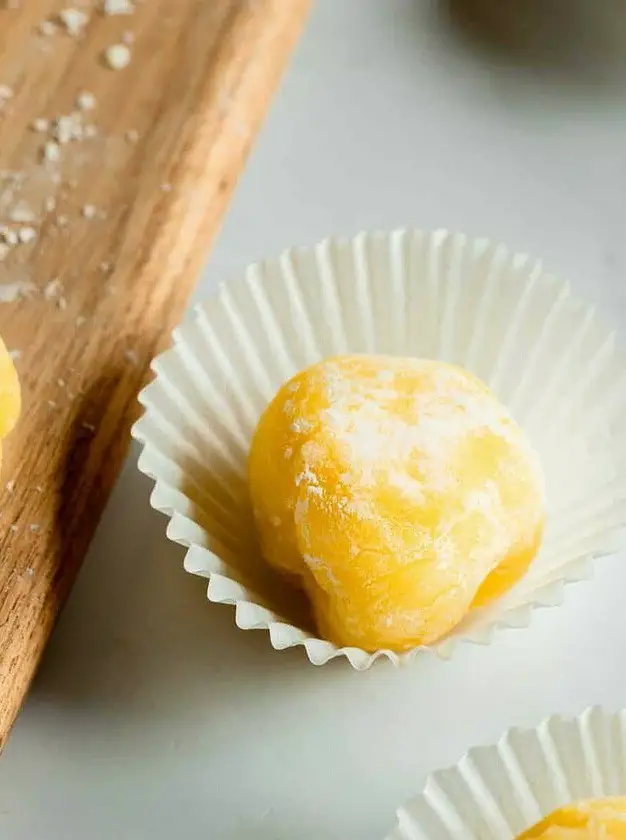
{"points": [[430, 295], [495, 793]]}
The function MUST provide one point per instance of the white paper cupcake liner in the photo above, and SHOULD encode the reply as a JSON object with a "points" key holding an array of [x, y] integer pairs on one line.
{"points": [[495, 793], [433, 295]]}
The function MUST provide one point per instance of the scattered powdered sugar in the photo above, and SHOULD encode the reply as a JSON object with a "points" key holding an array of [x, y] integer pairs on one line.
{"points": [[10, 292], [8, 235], [40, 125], [74, 21], [20, 223], [300, 510], [483, 500], [118, 7], [26, 234], [52, 289], [446, 550], [360, 506], [22, 213], [47, 28], [85, 101], [51, 151], [301, 426], [408, 486], [117, 56], [307, 476]]}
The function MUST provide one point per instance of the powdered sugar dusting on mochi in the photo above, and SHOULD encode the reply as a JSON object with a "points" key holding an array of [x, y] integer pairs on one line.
{"points": [[384, 425], [301, 425], [388, 433]]}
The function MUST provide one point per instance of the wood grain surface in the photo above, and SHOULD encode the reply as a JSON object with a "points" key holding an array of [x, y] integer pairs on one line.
{"points": [[110, 239]]}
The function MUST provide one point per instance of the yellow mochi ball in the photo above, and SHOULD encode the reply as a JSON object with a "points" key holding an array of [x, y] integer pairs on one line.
{"points": [[398, 492], [595, 819], [10, 394]]}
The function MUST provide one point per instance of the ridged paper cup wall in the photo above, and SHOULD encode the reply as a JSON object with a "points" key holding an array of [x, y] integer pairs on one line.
{"points": [[431, 295], [495, 793]]}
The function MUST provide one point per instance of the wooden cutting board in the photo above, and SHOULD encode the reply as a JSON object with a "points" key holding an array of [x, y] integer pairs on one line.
{"points": [[112, 183]]}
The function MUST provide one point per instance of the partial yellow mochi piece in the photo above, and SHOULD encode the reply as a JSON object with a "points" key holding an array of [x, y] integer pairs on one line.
{"points": [[594, 819], [398, 492], [10, 396]]}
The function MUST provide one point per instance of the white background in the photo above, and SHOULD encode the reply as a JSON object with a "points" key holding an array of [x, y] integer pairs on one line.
{"points": [[152, 716]]}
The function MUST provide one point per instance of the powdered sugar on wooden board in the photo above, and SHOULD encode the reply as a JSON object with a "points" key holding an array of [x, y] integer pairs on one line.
{"points": [[20, 289], [31, 198], [31, 195]]}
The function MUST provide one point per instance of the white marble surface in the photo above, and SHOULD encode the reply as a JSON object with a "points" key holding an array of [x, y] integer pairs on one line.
{"points": [[153, 717]]}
